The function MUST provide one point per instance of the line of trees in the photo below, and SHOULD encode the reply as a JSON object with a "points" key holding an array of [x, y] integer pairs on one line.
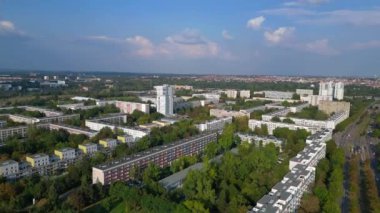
{"points": [[354, 184], [357, 108], [371, 196], [328, 188]]}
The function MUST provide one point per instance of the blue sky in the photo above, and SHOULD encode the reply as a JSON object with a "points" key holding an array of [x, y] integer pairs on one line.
{"points": [[294, 37]]}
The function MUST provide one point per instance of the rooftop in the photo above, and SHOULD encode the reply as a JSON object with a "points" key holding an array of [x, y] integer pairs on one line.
{"points": [[8, 162], [116, 163]]}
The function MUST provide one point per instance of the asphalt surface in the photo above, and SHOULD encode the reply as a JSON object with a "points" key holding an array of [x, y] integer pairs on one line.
{"points": [[354, 143]]}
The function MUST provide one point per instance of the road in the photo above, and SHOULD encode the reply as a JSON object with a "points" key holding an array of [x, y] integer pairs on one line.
{"points": [[354, 143]]}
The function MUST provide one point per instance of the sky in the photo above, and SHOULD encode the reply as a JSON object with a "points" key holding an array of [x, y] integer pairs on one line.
{"points": [[253, 37]]}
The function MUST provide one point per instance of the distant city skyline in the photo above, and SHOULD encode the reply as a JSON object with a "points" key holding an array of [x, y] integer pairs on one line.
{"points": [[295, 37]]}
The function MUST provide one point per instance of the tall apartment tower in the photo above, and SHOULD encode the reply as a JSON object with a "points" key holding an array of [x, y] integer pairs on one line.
{"points": [[326, 89], [339, 91], [165, 99]]}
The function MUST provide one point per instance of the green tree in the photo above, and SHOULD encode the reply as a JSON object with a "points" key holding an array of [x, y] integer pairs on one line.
{"points": [[226, 139]]}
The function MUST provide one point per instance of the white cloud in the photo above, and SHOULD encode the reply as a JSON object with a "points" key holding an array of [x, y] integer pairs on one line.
{"points": [[189, 43], [288, 12], [226, 35], [280, 35], [102, 38], [304, 2], [320, 47], [144, 46], [366, 45], [351, 17], [7, 28], [255, 23], [359, 18]]}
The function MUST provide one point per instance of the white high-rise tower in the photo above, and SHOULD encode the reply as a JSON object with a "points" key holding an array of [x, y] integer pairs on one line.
{"points": [[339, 91], [326, 89], [165, 99]]}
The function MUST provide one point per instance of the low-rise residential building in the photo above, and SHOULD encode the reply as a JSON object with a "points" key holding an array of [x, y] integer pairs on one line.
{"points": [[278, 94], [149, 126], [213, 97], [88, 148], [105, 102], [286, 195], [119, 170], [23, 119], [73, 129], [65, 153], [298, 107], [320, 137], [264, 140], [108, 143], [113, 118], [183, 87], [128, 139], [330, 107], [9, 168], [135, 132], [220, 113], [309, 156], [148, 99], [277, 113], [129, 107], [3, 123], [13, 131], [245, 93], [81, 98], [46, 112], [304, 92], [231, 93], [217, 124], [38, 160], [76, 106], [252, 123], [314, 100]]}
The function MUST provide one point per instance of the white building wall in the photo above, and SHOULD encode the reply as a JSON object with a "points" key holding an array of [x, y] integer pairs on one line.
{"points": [[326, 89], [8, 168], [165, 99], [339, 91], [245, 93]]}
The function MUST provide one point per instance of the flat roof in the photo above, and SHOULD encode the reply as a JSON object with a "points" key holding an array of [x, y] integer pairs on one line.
{"points": [[153, 150], [66, 149], [39, 155], [8, 162]]}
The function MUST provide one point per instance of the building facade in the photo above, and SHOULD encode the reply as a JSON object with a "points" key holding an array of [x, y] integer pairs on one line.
{"points": [[108, 143], [286, 195], [304, 92], [339, 91], [217, 124], [221, 113], [165, 99], [120, 170], [245, 94], [88, 148], [38, 160], [129, 107], [231, 93], [278, 94], [65, 153], [326, 89], [9, 168]]}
